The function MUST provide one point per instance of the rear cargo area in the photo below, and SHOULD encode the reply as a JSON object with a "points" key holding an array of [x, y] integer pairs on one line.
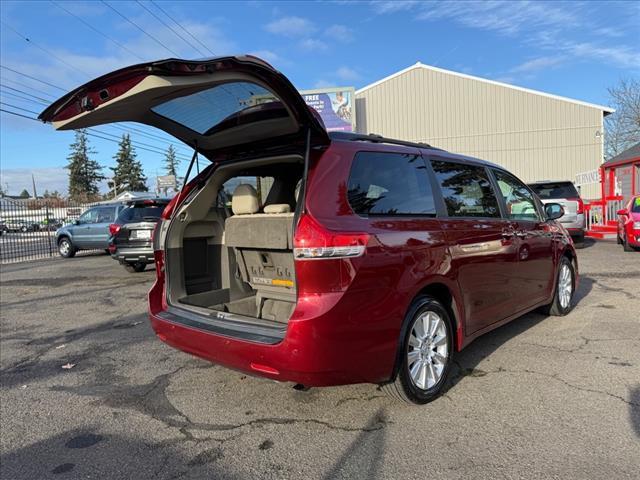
{"points": [[229, 249]]}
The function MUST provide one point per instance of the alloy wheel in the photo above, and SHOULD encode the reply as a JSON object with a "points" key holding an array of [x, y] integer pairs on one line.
{"points": [[428, 351], [565, 286]]}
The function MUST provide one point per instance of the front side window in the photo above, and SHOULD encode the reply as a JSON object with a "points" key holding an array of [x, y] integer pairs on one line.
{"points": [[466, 190], [390, 184], [517, 197]]}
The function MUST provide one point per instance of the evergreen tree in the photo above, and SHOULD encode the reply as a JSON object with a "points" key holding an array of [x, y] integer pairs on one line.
{"points": [[171, 161], [84, 173], [24, 193], [128, 174]]}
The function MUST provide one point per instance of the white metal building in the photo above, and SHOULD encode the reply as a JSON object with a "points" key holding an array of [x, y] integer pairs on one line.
{"points": [[536, 135]]}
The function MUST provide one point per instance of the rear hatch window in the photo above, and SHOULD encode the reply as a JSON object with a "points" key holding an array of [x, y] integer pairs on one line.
{"points": [[141, 213], [547, 191]]}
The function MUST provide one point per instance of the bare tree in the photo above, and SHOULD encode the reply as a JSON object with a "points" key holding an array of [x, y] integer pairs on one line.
{"points": [[623, 126]]}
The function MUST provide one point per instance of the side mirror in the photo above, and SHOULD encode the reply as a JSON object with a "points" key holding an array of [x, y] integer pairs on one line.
{"points": [[553, 211], [76, 222], [622, 211]]}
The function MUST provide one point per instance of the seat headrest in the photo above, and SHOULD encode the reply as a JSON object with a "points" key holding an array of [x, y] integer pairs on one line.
{"points": [[244, 200], [277, 208]]}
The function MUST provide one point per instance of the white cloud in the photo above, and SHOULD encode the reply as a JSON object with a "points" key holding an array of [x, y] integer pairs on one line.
{"points": [[341, 33], [291, 26], [553, 26], [382, 7], [313, 45], [540, 63], [270, 56], [323, 83], [347, 74], [55, 178]]}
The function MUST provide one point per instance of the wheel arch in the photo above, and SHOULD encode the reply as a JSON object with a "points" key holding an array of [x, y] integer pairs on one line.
{"points": [[447, 297]]}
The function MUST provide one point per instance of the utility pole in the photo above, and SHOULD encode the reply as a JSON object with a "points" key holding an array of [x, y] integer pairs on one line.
{"points": [[33, 181]]}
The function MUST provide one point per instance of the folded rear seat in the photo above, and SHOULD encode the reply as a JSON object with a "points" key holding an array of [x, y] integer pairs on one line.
{"points": [[263, 246]]}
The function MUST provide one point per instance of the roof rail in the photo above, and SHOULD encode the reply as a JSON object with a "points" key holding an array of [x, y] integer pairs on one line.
{"points": [[374, 138]]}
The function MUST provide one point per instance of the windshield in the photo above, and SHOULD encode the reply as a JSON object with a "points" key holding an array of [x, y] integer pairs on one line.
{"points": [[205, 110], [548, 191], [635, 205], [139, 213]]}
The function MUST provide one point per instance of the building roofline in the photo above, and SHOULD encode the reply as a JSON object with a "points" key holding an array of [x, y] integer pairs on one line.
{"points": [[605, 110]]}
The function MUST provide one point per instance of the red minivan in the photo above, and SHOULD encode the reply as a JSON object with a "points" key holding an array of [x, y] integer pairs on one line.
{"points": [[326, 258]]}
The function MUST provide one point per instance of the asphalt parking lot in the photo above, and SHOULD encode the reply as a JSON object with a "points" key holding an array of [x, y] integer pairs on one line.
{"points": [[538, 398]]}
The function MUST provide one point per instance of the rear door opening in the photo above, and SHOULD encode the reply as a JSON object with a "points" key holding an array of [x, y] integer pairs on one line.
{"points": [[229, 248]]}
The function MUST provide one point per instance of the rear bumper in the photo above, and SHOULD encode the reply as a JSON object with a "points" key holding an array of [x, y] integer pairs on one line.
{"points": [[133, 255], [316, 350]]}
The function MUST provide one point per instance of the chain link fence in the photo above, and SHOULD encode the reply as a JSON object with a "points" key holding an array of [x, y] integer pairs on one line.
{"points": [[28, 227]]}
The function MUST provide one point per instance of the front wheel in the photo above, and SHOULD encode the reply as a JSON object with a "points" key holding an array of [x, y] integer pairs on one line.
{"points": [[565, 288], [66, 248], [625, 245], [426, 351]]}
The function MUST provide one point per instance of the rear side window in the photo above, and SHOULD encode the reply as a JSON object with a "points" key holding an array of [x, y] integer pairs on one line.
{"points": [[547, 191], [390, 184], [140, 213], [466, 190], [106, 214]]}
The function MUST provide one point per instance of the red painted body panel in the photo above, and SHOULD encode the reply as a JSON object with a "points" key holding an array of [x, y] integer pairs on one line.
{"points": [[346, 325], [626, 222]]}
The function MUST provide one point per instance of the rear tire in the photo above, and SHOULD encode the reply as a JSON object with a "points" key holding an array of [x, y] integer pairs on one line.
{"points": [[565, 290], [66, 249], [425, 353], [135, 267], [578, 241]]}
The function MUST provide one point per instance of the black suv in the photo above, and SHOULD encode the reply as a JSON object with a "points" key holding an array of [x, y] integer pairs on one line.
{"points": [[131, 235]]}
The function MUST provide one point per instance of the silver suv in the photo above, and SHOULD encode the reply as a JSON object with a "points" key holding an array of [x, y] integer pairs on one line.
{"points": [[564, 193]]}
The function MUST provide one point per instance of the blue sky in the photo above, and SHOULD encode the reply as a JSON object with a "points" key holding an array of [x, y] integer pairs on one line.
{"points": [[573, 49]]}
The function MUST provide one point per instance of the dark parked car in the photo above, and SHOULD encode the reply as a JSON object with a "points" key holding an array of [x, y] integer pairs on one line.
{"points": [[343, 258], [21, 225], [89, 232], [131, 234]]}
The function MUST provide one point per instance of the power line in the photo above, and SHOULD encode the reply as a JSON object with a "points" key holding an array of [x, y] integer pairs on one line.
{"points": [[26, 93], [97, 134], [87, 24], [183, 29], [27, 99], [47, 51], [4, 80], [33, 78], [170, 28], [165, 139], [140, 28]]}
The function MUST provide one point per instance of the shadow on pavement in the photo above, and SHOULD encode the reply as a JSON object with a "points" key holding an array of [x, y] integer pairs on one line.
{"points": [[91, 454]]}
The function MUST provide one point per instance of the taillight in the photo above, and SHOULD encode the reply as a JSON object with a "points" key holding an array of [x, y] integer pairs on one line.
{"points": [[579, 202], [114, 228], [312, 241]]}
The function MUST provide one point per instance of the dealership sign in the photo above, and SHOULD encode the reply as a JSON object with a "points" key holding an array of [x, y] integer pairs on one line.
{"points": [[335, 106], [586, 178]]}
